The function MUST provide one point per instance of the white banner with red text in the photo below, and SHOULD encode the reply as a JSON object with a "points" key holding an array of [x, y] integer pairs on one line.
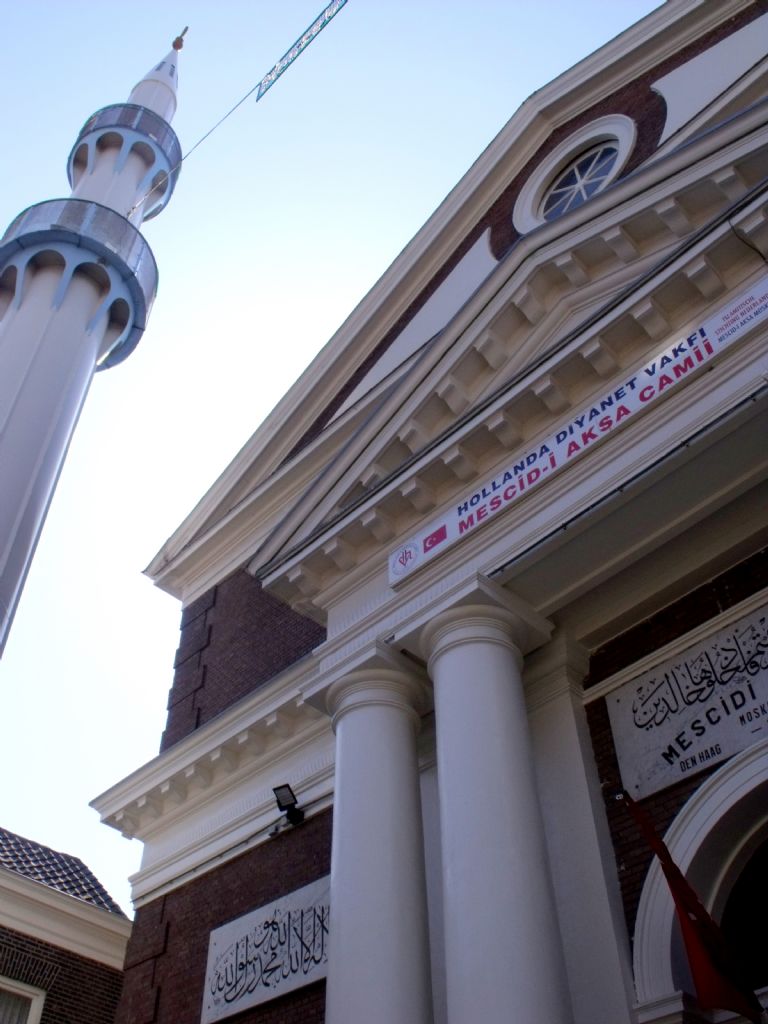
{"points": [[667, 371]]}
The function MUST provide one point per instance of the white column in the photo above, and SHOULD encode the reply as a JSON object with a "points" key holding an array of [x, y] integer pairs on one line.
{"points": [[581, 857], [378, 968], [504, 958]]}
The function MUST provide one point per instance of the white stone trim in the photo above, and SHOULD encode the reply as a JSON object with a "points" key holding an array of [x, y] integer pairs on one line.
{"points": [[237, 813], [34, 909], [695, 85], [616, 128], [579, 849], [439, 309], [231, 740]]}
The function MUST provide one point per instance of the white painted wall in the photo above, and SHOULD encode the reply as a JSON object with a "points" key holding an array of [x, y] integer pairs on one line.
{"points": [[688, 89]]}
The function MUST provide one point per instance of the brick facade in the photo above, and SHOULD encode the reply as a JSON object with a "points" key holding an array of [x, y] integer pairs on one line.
{"points": [[632, 855], [168, 950], [233, 639], [78, 990]]}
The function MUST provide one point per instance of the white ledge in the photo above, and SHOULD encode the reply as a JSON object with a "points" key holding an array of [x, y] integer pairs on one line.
{"points": [[43, 913]]}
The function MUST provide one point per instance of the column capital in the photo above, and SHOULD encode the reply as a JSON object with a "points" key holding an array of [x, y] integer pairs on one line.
{"points": [[387, 679], [486, 611]]}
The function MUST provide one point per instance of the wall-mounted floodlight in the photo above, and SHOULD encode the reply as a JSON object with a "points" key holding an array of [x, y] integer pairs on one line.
{"points": [[288, 804]]}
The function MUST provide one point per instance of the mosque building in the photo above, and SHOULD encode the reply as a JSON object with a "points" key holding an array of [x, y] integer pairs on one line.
{"points": [[498, 555]]}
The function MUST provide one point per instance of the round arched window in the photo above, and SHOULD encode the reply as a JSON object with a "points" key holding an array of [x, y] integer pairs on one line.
{"points": [[579, 167], [583, 177]]}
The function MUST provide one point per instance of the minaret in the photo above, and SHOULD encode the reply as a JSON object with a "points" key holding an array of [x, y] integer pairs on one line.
{"points": [[77, 281]]}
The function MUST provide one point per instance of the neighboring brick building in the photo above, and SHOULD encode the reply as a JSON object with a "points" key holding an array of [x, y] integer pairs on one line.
{"points": [[62, 938], [506, 556]]}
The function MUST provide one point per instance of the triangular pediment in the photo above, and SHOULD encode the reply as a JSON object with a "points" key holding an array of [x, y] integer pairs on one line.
{"points": [[476, 315], [547, 329]]}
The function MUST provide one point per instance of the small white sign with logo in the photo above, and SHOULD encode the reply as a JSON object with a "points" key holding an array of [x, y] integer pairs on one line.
{"points": [[267, 952], [696, 709]]}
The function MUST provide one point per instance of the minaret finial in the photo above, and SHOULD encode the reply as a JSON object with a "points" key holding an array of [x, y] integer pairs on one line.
{"points": [[178, 42]]}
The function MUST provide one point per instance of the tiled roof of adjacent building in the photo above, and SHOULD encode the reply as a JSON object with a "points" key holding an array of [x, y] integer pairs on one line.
{"points": [[59, 871]]}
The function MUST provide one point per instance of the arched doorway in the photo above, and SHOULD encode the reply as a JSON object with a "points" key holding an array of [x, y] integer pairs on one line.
{"points": [[719, 840]]}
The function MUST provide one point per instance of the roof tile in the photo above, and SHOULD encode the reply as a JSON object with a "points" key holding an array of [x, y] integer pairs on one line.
{"points": [[60, 871]]}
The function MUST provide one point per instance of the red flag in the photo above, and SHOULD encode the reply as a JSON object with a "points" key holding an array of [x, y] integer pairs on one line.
{"points": [[715, 971], [435, 538]]}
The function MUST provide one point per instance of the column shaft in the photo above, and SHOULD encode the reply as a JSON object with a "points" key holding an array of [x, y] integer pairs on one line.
{"points": [[503, 952], [378, 969], [581, 856]]}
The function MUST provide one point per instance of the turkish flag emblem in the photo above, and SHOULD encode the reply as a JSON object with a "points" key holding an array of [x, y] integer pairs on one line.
{"points": [[435, 538]]}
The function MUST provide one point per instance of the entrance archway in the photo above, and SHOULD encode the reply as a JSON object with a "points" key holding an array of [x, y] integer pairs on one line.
{"points": [[712, 840]]}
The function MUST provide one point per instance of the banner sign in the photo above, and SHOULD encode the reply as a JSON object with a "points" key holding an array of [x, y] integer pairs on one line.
{"points": [[268, 952], [301, 44], [665, 372], [695, 709]]}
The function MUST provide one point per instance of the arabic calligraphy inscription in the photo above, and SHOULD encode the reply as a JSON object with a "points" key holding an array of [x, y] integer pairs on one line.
{"points": [[268, 952], [695, 709]]}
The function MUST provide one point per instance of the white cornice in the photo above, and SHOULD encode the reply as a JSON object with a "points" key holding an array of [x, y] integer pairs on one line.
{"points": [[642, 47], [209, 798], [35, 909], [239, 814], [222, 508], [624, 457], [686, 263], [266, 722]]}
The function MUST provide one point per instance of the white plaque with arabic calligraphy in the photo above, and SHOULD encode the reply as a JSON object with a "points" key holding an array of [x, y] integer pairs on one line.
{"points": [[268, 952], [694, 710]]}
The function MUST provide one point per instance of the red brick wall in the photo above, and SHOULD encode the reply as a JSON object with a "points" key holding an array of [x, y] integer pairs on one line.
{"points": [[168, 950], [632, 856], [78, 990], [233, 639]]}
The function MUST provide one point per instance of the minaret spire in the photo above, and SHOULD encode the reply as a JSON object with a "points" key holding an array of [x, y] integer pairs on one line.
{"points": [[77, 281], [157, 89]]}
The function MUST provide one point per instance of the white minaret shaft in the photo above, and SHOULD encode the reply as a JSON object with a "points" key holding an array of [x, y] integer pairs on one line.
{"points": [[77, 281]]}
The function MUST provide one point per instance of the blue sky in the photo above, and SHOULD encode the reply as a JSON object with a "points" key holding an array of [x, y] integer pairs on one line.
{"points": [[280, 224]]}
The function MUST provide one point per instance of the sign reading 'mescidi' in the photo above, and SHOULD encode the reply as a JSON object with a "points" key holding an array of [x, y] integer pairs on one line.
{"points": [[695, 709], [665, 372]]}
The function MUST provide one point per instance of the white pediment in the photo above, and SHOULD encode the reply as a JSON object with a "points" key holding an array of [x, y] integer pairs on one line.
{"points": [[486, 327], [692, 87]]}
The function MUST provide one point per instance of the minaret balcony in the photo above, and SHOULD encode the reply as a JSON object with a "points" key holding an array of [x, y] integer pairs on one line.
{"points": [[83, 233], [131, 128]]}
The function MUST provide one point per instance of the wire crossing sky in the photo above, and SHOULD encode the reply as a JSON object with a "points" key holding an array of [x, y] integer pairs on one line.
{"points": [[267, 81], [301, 44]]}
